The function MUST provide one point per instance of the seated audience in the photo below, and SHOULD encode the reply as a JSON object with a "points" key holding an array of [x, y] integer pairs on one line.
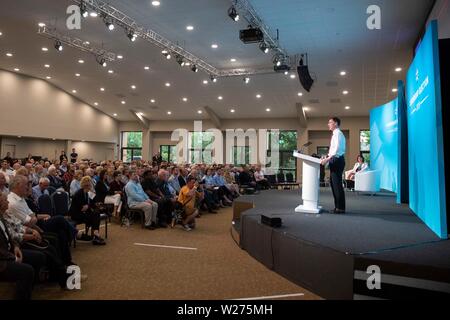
{"points": [[75, 184], [103, 193], [261, 181], [138, 199], [189, 198], [82, 211], [40, 189], [3, 188]]}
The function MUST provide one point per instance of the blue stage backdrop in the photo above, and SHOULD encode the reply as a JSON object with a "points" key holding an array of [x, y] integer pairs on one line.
{"points": [[425, 135], [384, 144]]}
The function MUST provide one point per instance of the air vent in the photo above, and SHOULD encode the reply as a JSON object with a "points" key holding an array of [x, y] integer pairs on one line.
{"points": [[314, 101], [335, 100], [332, 84]]}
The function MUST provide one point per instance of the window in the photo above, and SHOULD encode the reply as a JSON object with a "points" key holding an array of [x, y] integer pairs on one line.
{"points": [[323, 151], [131, 146], [287, 144], [198, 143], [241, 155], [168, 153], [364, 139]]}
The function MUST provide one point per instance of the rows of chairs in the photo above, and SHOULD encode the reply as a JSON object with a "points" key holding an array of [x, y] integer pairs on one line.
{"points": [[286, 181]]}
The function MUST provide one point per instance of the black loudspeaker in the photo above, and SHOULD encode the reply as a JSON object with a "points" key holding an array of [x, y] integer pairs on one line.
{"points": [[305, 77], [272, 222]]}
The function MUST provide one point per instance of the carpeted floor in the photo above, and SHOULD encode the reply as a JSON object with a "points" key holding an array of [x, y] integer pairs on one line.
{"points": [[218, 269]]}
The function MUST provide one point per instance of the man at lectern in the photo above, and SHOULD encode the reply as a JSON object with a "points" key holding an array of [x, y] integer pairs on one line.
{"points": [[336, 162]]}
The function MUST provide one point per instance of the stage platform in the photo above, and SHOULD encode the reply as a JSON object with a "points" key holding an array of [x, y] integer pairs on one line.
{"points": [[329, 254]]}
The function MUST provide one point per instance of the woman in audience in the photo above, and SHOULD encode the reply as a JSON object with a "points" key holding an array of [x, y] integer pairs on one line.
{"points": [[231, 182], [103, 193], [82, 211], [75, 184]]}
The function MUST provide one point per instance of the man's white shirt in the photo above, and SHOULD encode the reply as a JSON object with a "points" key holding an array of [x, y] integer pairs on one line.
{"points": [[337, 145]]}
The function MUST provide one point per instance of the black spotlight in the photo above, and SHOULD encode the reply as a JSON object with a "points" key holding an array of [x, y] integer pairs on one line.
{"points": [[213, 79], [58, 46], [83, 9], [101, 61], [109, 24], [232, 13], [264, 47], [180, 61], [246, 80], [304, 75], [166, 54], [131, 35], [194, 68]]}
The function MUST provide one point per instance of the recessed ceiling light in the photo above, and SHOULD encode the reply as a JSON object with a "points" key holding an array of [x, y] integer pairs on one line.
{"points": [[199, 111], [102, 89], [115, 114], [141, 113], [47, 65], [16, 69], [147, 68], [205, 81], [156, 3], [292, 76], [120, 56], [110, 71], [398, 69], [1, 34], [48, 77], [306, 109], [95, 103], [345, 92], [93, 14], [152, 100], [190, 28], [343, 73], [77, 74], [167, 84], [80, 61], [233, 60], [347, 107], [246, 80], [122, 102], [258, 96], [214, 46], [133, 87], [300, 94], [232, 111], [169, 112], [394, 90], [185, 99], [220, 97], [41, 24], [9, 54], [267, 109], [74, 91]]}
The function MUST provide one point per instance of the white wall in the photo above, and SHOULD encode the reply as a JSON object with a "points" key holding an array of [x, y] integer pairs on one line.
{"points": [[37, 147], [32, 107], [97, 151]]}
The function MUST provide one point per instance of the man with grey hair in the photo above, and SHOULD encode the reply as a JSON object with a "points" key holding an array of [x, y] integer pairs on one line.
{"points": [[138, 199], [41, 189]]}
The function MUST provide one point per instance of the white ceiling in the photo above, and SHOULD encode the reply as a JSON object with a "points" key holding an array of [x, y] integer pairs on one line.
{"points": [[332, 32]]}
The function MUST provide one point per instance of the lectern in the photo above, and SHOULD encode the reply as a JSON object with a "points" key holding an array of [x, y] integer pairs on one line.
{"points": [[310, 184]]}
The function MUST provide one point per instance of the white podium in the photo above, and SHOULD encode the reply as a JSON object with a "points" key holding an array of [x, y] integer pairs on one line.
{"points": [[310, 184]]}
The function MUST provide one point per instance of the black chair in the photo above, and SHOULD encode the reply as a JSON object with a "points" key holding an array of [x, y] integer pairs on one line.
{"points": [[280, 178], [60, 203], [45, 205], [271, 178], [290, 178]]}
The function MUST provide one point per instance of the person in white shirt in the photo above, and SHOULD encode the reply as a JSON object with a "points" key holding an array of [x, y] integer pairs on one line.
{"points": [[360, 166], [6, 171], [336, 162]]}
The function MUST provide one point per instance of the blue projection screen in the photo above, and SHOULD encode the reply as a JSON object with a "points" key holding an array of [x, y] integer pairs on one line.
{"points": [[425, 135], [384, 144]]}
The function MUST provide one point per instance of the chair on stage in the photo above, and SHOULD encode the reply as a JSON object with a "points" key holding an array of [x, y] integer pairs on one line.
{"points": [[368, 181]]}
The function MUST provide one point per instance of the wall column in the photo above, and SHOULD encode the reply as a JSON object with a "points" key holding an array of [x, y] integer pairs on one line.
{"points": [[147, 144]]}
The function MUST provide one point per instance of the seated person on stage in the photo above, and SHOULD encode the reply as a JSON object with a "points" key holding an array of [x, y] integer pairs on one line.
{"points": [[16, 265], [103, 193], [189, 197], [261, 181], [82, 211], [360, 166], [138, 199]]}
